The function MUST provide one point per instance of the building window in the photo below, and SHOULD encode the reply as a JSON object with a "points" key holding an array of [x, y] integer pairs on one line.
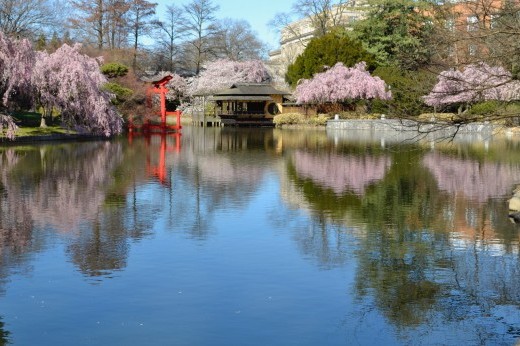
{"points": [[472, 23]]}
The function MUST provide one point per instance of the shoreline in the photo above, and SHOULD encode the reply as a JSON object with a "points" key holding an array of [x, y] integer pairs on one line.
{"points": [[52, 138], [377, 125]]}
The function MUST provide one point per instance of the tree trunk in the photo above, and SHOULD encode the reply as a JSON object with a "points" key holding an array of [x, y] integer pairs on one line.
{"points": [[43, 122], [46, 119]]}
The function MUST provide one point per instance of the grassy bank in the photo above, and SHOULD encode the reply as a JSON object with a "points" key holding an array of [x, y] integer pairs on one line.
{"points": [[29, 125]]}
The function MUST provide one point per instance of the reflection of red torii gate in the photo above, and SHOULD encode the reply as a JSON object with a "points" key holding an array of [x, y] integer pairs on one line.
{"points": [[158, 87], [157, 168]]}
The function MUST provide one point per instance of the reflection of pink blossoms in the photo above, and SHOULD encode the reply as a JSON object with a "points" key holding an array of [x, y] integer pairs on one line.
{"points": [[341, 83], [472, 179], [478, 82], [341, 173], [221, 74]]}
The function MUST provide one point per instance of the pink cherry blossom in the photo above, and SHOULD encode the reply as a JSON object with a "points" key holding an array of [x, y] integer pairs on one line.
{"points": [[476, 83], [72, 83], [16, 62], [177, 87], [341, 83], [223, 73]]}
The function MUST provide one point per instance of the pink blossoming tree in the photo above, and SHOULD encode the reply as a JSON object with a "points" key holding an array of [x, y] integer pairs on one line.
{"points": [[71, 83], [341, 84], [223, 73], [16, 62], [476, 83], [177, 88]]}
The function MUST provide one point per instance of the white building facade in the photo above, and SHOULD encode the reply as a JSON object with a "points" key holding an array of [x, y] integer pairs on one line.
{"points": [[295, 36]]}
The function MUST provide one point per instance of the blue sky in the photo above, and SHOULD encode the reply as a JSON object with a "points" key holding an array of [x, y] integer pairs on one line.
{"points": [[258, 13]]}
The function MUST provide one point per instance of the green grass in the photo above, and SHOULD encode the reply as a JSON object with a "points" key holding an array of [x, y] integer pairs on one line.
{"points": [[41, 131], [29, 125]]}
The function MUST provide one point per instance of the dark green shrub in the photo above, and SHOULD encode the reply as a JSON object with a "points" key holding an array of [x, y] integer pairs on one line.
{"points": [[122, 94], [114, 70], [486, 108], [408, 88]]}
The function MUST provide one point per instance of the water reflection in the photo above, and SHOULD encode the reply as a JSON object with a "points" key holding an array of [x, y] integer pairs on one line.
{"points": [[425, 233], [225, 168], [4, 334], [341, 172], [471, 179], [74, 189], [434, 240]]}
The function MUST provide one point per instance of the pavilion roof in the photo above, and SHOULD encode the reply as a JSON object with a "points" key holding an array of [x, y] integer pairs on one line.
{"points": [[250, 89], [256, 98]]}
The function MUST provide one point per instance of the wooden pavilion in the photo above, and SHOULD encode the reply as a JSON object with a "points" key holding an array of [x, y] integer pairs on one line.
{"points": [[248, 104]]}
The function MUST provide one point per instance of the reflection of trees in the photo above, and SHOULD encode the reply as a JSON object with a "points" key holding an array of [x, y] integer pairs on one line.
{"points": [[401, 244], [77, 188], [472, 208], [102, 244], [102, 249], [327, 243], [475, 180], [225, 167], [341, 172], [15, 226], [413, 264], [64, 184], [330, 185], [4, 334]]}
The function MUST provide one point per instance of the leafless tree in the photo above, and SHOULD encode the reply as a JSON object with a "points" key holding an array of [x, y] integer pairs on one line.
{"points": [[314, 17], [140, 16], [199, 24], [89, 19], [323, 14], [27, 17], [237, 41], [170, 31], [116, 23]]}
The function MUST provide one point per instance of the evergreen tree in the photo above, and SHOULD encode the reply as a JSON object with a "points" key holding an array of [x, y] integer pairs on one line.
{"points": [[396, 32], [326, 51], [55, 42], [41, 43]]}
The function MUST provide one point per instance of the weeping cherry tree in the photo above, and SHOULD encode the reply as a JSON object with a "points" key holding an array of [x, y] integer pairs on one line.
{"points": [[16, 62], [341, 84], [223, 73], [476, 83], [71, 83]]}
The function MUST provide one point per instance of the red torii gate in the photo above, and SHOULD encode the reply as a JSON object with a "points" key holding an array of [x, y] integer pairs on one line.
{"points": [[158, 87]]}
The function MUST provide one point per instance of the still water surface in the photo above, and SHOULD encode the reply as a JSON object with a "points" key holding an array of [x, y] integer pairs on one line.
{"points": [[259, 237]]}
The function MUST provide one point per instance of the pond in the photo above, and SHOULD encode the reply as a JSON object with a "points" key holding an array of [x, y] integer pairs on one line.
{"points": [[225, 236]]}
